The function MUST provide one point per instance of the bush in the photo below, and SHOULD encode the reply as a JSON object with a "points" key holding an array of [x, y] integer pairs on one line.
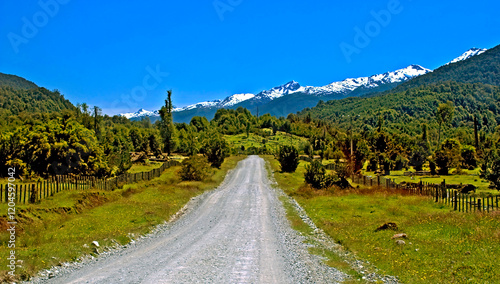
{"points": [[216, 150], [491, 169], [469, 159], [195, 168], [316, 176], [288, 157]]}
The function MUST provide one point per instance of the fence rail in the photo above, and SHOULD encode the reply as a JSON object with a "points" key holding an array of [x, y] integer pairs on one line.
{"points": [[34, 192], [447, 194]]}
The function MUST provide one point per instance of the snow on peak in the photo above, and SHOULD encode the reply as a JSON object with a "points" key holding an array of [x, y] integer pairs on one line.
{"points": [[349, 85], [198, 105], [468, 54], [276, 92], [343, 88], [235, 99], [139, 113]]}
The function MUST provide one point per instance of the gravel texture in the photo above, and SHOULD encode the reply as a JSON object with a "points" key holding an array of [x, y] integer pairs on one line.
{"points": [[237, 233]]}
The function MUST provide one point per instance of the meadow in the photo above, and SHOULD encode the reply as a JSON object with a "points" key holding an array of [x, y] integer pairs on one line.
{"points": [[442, 246]]}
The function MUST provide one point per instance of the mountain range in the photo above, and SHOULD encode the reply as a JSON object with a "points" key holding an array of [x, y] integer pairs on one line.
{"points": [[472, 86], [292, 97]]}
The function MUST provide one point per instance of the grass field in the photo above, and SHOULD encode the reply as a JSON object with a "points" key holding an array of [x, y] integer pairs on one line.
{"points": [[442, 246], [137, 168], [273, 142], [75, 218]]}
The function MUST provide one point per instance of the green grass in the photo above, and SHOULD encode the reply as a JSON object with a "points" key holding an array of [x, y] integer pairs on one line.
{"points": [[469, 177], [442, 246], [98, 216], [273, 142], [137, 168], [288, 182]]}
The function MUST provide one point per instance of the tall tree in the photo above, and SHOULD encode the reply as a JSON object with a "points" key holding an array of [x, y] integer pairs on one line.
{"points": [[167, 127], [97, 121], [444, 115]]}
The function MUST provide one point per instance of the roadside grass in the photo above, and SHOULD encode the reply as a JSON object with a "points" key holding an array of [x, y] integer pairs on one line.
{"points": [[287, 182], [56, 230], [332, 259], [442, 246], [138, 167]]}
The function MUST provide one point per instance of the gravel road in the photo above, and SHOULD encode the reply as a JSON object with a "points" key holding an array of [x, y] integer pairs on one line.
{"points": [[237, 233]]}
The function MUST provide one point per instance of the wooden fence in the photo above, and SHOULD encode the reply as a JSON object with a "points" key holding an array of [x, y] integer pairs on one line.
{"points": [[34, 192], [447, 194]]}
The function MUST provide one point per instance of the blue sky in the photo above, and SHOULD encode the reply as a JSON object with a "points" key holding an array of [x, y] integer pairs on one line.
{"points": [[123, 55]]}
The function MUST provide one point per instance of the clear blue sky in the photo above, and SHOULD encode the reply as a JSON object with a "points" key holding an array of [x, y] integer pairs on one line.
{"points": [[99, 52]]}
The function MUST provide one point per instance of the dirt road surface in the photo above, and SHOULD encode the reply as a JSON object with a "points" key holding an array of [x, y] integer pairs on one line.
{"points": [[237, 233]]}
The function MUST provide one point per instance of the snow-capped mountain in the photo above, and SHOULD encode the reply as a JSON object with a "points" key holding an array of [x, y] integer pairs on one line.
{"points": [[303, 96], [206, 104], [342, 88], [140, 113], [468, 54], [349, 85], [235, 99]]}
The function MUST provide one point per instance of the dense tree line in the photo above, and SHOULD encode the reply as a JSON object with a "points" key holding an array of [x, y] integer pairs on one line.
{"points": [[442, 127]]}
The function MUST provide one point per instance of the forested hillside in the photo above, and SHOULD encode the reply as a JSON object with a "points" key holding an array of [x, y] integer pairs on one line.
{"points": [[38, 100], [484, 68], [406, 111], [15, 82]]}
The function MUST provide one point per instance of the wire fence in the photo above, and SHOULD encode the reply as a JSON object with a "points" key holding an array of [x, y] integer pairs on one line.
{"points": [[35, 192], [459, 197]]}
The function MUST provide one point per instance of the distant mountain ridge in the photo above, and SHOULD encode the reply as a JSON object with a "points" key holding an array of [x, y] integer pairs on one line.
{"points": [[483, 67], [472, 85], [311, 95], [468, 54], [292, 97]]}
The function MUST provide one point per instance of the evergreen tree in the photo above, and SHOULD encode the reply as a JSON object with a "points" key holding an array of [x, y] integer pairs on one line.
{"points": [[167, 127]]}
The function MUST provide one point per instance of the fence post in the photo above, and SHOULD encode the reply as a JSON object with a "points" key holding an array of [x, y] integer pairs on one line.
{"points": [[437, 194], [33, 194], [455, 203], [479, 204]]}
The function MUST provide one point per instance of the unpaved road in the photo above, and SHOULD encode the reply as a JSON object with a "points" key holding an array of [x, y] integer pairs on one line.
{"points": [[236, 234]]}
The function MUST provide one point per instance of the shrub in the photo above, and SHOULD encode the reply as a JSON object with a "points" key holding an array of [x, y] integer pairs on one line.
{"points": [[288, 157], [216, 150], [469, 159], [315, 175], [491, 169], [194, 168]]}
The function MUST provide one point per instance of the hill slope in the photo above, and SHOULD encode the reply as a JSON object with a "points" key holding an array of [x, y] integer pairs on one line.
{"points": [[483, 68], [405, 111], [16, 82], [18, 95]]}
